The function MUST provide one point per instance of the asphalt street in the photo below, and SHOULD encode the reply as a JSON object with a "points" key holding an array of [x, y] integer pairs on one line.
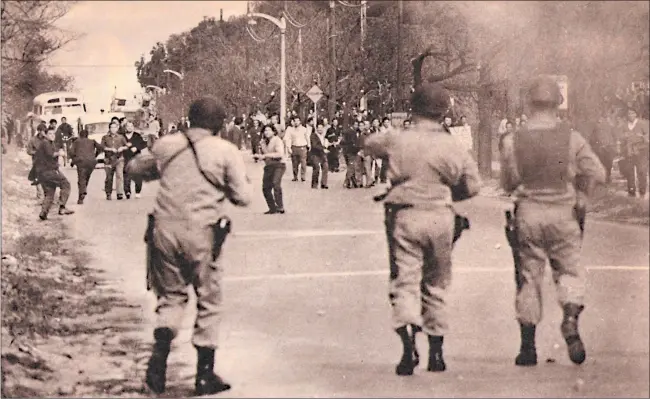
{"points": [[306, 309]]}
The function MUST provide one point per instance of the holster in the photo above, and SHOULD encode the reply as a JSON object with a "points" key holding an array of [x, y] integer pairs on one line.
{"points": [[220, 231], [461, 223], [580, 214], [148, 239], [513, 240]]}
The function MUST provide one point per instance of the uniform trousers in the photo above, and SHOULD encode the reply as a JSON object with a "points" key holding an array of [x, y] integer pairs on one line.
{"points": [[547, 232], [182, 255], [420, 245]]}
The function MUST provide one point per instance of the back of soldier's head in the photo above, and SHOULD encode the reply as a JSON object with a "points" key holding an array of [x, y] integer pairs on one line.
{"points": [[544, 93], [431, 101], [207, 113]]}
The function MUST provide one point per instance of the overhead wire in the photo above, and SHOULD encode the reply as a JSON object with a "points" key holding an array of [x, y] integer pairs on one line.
{"points": [[253, 35], [345, 3]]}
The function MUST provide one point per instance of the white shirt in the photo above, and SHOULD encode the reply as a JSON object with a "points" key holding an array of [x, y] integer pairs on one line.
{"points": [[297, 136]]}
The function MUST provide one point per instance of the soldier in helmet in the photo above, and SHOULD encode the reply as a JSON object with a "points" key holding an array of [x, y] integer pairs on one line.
{"points": [[539, 165], [198, 171], [426, 165]]}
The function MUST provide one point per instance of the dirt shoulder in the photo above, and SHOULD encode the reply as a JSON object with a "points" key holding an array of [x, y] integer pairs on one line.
{"points": [[64, 332]]}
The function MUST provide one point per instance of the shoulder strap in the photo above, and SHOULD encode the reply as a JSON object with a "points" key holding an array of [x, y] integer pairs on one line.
{"points": [[198, 164]]}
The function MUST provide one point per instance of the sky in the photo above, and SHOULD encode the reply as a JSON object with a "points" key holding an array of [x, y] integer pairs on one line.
{"points": [[116, 33]]}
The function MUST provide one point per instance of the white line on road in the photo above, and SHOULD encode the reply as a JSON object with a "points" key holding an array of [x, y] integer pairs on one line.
{"points": [[293, 276], [305, 233]]}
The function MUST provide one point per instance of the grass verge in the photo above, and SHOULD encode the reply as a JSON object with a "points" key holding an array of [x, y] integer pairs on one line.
{"points": [[55, 312]]}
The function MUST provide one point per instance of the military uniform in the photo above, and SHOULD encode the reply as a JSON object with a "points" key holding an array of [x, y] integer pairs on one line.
{"points": [[182, 249], [422, 165], [539, 165]]}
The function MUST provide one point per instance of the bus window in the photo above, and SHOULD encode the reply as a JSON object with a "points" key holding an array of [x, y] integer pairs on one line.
{"points": [[70, 100], [57, 110], [53, 100], [121, 103]]}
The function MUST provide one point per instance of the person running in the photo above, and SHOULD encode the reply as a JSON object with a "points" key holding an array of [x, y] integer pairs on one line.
{"points": [[83, 154]]}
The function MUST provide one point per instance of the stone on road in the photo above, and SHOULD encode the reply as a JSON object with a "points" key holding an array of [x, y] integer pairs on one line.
{"points": [[306, 310]]}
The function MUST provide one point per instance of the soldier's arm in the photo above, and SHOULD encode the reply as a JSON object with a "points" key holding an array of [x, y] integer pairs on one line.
{"points": [[509, 177], [239, 187], [589, 170], [377, 145]]}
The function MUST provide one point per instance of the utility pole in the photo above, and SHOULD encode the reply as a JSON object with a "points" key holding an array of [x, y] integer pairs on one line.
{"points": [[300, 48], [364, 9], [332, 36], [399, 55]]}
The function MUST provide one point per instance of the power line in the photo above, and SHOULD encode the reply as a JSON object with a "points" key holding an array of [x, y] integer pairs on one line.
{"points": [[91, 66]]}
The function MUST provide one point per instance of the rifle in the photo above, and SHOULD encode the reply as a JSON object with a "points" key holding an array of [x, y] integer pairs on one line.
{"points": [[513, 241], [148, 239]]}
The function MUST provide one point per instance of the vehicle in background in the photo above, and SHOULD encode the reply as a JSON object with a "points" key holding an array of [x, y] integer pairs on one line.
{"points": [[59, 104]]}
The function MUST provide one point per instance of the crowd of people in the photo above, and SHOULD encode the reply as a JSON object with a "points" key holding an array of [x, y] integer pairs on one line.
{"points": [[619, 137], [52, 146]]}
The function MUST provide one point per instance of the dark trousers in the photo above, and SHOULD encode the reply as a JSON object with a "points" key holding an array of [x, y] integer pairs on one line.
{"points": [[84, 170], [353, 170], [272, 185], [128, 179], [638, 162], [50, 181], [299, 159], [383, 170], [333, 159], [606, 157], [318, 164]]}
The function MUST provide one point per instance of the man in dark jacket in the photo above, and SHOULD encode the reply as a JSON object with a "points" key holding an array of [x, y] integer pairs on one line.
{"points": [[47, 168], [234, 135], [334, 137], [83, 153], [351, 146], [64, 135], [135, 144]]}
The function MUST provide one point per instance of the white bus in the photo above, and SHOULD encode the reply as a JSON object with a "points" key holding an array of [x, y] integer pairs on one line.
{"points": [[55, 105]]}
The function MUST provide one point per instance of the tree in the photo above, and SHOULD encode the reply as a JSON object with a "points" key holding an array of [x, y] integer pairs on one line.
{"points": [[29, 37]]}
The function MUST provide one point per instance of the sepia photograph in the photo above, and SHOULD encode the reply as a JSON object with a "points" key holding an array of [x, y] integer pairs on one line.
{"points": [[325, 199]]}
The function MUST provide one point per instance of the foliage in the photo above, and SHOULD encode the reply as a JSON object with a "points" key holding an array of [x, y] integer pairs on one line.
{"points": [[483, 52], [29, 37]]}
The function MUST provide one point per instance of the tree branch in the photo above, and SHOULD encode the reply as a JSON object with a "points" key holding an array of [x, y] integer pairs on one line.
{"points": [[418, 62]]}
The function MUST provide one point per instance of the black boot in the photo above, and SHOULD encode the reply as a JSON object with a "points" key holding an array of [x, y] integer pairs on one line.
{"points": [[207, 382], [410, 357], [157, 367], [436, 360], [570, 333], [527, 351]]}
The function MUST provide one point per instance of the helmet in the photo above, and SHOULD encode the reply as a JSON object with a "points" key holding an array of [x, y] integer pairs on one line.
{"points": [[430, 100], [544, 90]]}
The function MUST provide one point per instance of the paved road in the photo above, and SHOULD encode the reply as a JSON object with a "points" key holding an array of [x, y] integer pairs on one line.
{"points": [[306, 311]]}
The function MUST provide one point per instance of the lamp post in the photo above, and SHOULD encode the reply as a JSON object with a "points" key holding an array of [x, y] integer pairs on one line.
{"points": [[182, 78], [282, 24]]}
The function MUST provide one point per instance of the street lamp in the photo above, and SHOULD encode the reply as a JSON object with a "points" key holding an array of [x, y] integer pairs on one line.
{"points": [[181, 77], [282, 24]]}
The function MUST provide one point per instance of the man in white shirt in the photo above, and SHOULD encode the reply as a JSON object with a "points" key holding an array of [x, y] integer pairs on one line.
{"points": [[297, 141]]}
